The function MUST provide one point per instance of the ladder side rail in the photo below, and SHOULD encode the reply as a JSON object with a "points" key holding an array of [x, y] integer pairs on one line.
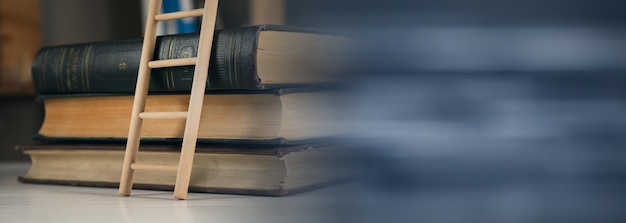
{"points": [[139, 103], [207, 31]]}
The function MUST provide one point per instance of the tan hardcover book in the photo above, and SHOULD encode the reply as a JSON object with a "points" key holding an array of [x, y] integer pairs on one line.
{"points": [[250, 170]]}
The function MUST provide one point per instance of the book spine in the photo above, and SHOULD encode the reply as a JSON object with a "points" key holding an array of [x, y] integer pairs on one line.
{"points": [[112, 66]]}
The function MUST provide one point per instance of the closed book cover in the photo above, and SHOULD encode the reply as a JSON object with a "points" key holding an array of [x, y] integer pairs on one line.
{"points": [[281, 116], [257, 57], [233, 169]]}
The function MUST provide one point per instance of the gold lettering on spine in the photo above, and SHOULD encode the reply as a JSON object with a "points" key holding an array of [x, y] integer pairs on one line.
{"points": [[71, 69], [185, 69], [59, 71], [171, 78]]}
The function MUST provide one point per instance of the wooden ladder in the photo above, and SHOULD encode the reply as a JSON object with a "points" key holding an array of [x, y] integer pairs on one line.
{"points": [[201, 62]]}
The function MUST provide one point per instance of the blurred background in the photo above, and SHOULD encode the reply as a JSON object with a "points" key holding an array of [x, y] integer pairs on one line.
{"points": [[486, 111], [462, 111]]}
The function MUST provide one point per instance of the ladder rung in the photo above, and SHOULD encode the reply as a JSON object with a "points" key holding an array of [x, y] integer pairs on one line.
{"points": [[163, 115], [144, 166], [179, 15], [172, 62]]}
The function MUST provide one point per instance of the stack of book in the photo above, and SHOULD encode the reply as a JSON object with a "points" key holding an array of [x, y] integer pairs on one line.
{"points": [[268, 124]]}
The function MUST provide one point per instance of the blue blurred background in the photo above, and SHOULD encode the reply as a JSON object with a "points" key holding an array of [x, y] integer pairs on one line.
{"points": [[484, 111]]}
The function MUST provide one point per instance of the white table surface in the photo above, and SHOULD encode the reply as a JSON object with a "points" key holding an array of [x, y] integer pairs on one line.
{"points": [[49, 203]]}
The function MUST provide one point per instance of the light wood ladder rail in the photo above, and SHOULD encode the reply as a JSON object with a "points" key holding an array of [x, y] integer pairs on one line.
{"points": [[190, 137]]}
